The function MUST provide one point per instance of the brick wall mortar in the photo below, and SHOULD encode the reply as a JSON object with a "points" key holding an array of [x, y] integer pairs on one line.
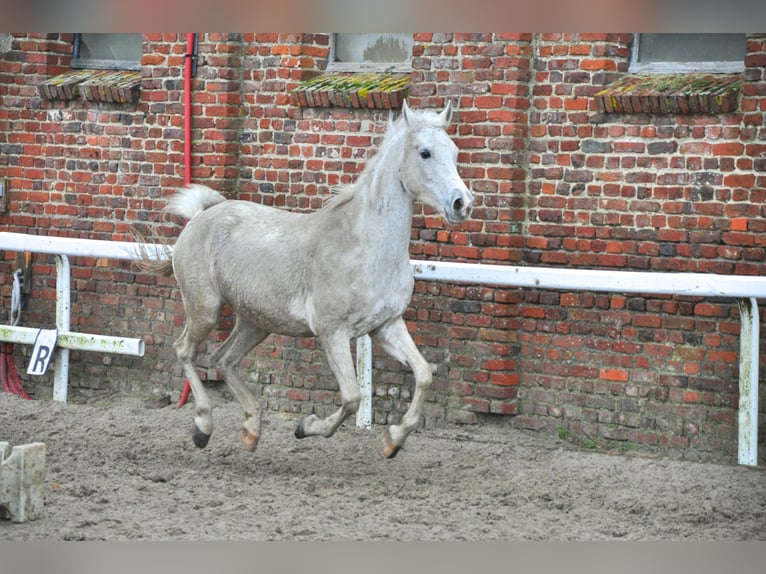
{"points": [[557, 182]]}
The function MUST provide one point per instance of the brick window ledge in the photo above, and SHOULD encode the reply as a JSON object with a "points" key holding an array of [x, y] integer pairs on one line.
{"points": [[120, 86], [370, 90], [672, 94]]}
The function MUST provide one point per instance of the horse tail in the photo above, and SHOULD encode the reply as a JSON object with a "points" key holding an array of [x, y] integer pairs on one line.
{"points": [[193, 200], [153, 263], [187, 202]]}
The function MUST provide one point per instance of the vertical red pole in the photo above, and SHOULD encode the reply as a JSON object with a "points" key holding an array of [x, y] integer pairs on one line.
{"points": [[187, 148], [187, 106]]}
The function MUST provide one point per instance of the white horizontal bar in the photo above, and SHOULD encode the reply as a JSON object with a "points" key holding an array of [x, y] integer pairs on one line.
{"points": [[699, 284], [74, 246], [76, 341]]}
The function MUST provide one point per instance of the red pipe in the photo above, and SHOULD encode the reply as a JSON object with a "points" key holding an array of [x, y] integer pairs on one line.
{"points": [[190, 41], [184, 394], [188, 63]]}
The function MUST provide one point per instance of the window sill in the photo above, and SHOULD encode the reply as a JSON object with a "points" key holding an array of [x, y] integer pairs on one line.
{"points": [[122, 86], [368, 91], [368, 68], [672, 94]]}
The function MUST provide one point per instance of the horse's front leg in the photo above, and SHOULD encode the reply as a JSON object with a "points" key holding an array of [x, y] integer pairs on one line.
{"points": [[338, 350], [398, 343]]}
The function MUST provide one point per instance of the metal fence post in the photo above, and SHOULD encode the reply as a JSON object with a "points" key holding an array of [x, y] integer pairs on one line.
{"points": [[63, 305], [747, 439], [364, 378]]}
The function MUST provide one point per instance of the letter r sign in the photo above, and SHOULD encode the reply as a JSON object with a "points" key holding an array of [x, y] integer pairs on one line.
{"points": [[43, 351]]}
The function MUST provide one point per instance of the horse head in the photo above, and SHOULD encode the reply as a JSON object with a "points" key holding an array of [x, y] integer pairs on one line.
{"points": [[429, 166]]}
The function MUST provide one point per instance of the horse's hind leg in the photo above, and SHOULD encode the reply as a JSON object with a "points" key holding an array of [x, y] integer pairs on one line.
{"points": [[338, 350], [240, 341], [196, 329], [398, 343]]}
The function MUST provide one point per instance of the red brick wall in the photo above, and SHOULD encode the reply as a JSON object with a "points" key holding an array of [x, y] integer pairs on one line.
{"points": [[558, 182], [664, 193]]}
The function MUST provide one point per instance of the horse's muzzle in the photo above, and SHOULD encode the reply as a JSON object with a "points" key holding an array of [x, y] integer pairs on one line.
{"points": [[461, 205]]}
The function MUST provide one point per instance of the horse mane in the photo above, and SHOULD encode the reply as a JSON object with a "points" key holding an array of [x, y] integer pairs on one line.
{"points": [[344, 193]]}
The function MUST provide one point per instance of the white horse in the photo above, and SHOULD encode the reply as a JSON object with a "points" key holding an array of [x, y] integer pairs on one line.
{"points": [[338, 273]]}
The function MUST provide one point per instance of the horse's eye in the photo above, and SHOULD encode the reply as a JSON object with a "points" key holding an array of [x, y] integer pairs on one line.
{"points": [[425, 154]]}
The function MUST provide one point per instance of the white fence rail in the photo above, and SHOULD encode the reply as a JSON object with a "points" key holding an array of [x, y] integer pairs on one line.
{"points": [[746, 289]]}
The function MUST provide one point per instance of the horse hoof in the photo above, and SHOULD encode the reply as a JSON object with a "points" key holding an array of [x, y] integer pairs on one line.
{"points": [[249, 439], [200, 438], [389, 448], [300, 430]]}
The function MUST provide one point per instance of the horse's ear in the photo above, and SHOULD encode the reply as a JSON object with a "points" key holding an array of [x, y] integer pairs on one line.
{"points": [[406, 112], [446, 114]]}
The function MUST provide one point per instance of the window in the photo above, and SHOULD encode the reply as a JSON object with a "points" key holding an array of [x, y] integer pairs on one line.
{"points": [[371, 52], [687, 53], [107, 51]]}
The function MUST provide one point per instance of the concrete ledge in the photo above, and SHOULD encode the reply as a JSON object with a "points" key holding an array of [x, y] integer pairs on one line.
{"points": [[22, 476]]}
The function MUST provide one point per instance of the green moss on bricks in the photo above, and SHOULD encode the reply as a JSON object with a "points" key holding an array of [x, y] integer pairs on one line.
{"points": [[365, 90], [358, 82], [676, 93]]}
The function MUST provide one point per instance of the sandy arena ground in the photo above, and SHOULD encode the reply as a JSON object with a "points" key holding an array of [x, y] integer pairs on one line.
{"points": [[117, 470]]}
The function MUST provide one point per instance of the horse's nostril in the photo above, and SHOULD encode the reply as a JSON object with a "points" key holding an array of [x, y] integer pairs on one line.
{"points": [[458, 205]]}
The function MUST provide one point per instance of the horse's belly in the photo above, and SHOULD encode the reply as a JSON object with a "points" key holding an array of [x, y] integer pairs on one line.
{"points": [[306, 316], [360, 317], [280, 319], [377, 315]]}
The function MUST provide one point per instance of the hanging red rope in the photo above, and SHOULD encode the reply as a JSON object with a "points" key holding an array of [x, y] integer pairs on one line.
{"points": [[8, 374]]}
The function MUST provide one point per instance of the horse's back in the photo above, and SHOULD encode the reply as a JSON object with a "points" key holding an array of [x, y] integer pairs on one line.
{"points": [[250, 256], [236, 223]]}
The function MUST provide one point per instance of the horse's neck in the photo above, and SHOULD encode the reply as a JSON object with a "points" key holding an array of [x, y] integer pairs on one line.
{"points": [[384, 209], [376, 216]]}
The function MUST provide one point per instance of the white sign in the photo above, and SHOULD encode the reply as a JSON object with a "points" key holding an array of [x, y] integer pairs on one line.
{"points": [[43, 351]]}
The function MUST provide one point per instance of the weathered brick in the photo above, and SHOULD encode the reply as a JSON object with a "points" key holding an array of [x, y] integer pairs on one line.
{"points": [[594, 146]]}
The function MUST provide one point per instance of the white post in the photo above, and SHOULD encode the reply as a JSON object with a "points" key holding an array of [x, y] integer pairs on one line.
{"points": [[748, 382], [364, 378], [63, 294]]}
